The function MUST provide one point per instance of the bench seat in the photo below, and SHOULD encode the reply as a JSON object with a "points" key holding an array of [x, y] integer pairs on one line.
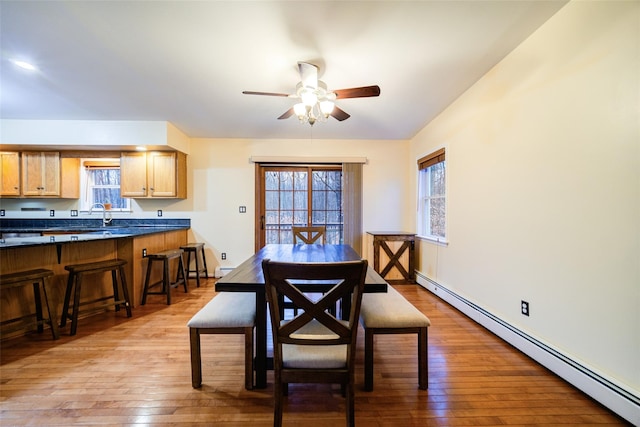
{"points": [[226, 313], [391, 313]]}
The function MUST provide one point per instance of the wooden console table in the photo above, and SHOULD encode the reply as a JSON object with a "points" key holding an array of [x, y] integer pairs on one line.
{"points": [[392, 254]]}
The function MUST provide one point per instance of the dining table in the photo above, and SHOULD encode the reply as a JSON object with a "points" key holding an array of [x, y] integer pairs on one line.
{"points": [[248, 277]]}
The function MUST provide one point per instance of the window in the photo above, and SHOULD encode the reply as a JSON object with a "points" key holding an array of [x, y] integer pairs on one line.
{"points": [[432, 206], [100, 183]]}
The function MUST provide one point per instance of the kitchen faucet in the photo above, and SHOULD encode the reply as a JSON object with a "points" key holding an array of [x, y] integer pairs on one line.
{"points": [[105, 220]]}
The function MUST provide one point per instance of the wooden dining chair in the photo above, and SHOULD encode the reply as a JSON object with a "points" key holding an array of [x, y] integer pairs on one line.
{"points": [[309, 235], [314, 346]]}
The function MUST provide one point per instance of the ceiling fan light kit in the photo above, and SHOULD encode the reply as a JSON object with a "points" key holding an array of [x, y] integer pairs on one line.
{"points": [[317, 103]]}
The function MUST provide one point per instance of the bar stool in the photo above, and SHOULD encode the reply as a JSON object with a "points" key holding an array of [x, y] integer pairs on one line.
{"points": [[36, 277], [198, 251], [181, 278], [74, 286]]}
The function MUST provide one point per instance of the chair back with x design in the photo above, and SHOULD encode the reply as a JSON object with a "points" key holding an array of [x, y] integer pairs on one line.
{"points": [[309, 235], [314, 346]]}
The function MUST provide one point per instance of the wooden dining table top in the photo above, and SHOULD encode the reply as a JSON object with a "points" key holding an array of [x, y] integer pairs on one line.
{"points": [[248, 276]]}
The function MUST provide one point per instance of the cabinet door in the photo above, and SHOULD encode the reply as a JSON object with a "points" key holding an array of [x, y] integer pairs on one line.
{"points": [[40, 174], [51, 174], [133, 174], [161, 170], [10, 173]]}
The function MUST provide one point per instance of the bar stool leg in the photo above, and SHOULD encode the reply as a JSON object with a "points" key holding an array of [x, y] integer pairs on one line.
{"points": [[181, 271], [67, 298], [76, 304], [114, 283], [195, 253], [166, 281], [204, 263], [38, 301], [52, 320], [125, 291], [146, 283]]}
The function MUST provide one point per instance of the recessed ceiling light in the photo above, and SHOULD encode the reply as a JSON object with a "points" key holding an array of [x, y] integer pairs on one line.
{"points": [[24, 65]]}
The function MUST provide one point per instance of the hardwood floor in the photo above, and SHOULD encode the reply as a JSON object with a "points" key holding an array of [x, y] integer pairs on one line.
{"points": [[119, 371]]}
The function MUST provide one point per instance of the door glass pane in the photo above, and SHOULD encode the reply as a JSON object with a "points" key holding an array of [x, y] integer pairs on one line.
{"points": [[286, 201]]}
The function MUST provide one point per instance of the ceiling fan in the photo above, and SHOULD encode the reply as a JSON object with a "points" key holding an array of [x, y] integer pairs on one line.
{"points": [[316, 101]]}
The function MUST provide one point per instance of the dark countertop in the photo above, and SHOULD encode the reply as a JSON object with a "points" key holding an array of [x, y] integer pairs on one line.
{"points": [[70, 231]]}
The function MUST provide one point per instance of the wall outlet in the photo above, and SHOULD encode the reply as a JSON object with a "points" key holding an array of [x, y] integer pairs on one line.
{"points": [[524, 308], [52, 212], [242, 209], [144, 252], [223, 255], [1, 212], [159, 212], [74, 212]]}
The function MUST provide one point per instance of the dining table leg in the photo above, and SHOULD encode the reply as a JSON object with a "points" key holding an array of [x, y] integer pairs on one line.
{"points": [[260, 361]]}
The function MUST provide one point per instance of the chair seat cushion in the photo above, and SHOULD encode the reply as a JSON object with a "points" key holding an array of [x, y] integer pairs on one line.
{"points": [[314, 356], [390, 310], [226, 310]]}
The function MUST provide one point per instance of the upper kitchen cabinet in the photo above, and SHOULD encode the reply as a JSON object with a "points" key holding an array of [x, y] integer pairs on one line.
{"points": [[41, 174], [10, 173], [158, 174]]}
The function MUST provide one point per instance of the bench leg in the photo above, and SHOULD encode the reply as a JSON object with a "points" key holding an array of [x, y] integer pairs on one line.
{"points": [[423, 376], [368, 360], [248, 358], [196, 362]]}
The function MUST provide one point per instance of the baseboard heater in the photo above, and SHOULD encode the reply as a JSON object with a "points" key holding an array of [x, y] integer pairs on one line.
{"points": [[222, 271], [617, 399]]}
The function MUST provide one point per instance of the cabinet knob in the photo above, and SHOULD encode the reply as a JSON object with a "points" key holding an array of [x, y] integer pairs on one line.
{"points": [[151, 189]]}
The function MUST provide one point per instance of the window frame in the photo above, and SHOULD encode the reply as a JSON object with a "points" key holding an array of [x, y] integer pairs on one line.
{"points": [[425, 165], [92, 164]]}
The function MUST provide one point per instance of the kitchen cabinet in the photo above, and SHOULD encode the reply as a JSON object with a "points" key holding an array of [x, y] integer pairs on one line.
{"points": [[10, 173], [155, 174], [40, 173]]}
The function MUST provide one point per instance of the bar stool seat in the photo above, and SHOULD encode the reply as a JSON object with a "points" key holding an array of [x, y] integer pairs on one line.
{"points": [[167, 284], [36, 277], [198, 251], [74, 286]]}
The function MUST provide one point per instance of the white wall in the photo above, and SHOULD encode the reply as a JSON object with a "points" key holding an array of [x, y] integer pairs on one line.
{"points": [[543, 164], [221, 178]]}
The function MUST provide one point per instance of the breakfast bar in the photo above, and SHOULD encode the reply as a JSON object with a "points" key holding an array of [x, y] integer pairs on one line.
{"points": [[52, 245]]}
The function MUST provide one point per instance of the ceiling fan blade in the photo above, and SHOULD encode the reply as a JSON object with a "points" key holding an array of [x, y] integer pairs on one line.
{"points": [[286, 114], [308, 74], [339, 114], [358, 92], [249, 92]]}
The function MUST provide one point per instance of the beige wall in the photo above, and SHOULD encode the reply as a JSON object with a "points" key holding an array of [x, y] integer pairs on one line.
{"points": [[543, 169], [221, 178]]}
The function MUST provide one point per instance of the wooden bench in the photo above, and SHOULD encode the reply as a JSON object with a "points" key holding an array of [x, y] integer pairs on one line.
{"points": [[226, 313], [391, 313], [74, 287], [36, 277]]}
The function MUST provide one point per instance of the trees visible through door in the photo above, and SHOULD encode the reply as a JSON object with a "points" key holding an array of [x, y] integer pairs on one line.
{"points": [[301, 196]]}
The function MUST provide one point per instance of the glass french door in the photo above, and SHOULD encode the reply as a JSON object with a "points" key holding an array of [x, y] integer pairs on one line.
{"points": [[301, 196]]}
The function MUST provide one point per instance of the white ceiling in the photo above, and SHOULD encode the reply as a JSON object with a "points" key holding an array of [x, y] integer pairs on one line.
{"points": [[187, 62]]}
